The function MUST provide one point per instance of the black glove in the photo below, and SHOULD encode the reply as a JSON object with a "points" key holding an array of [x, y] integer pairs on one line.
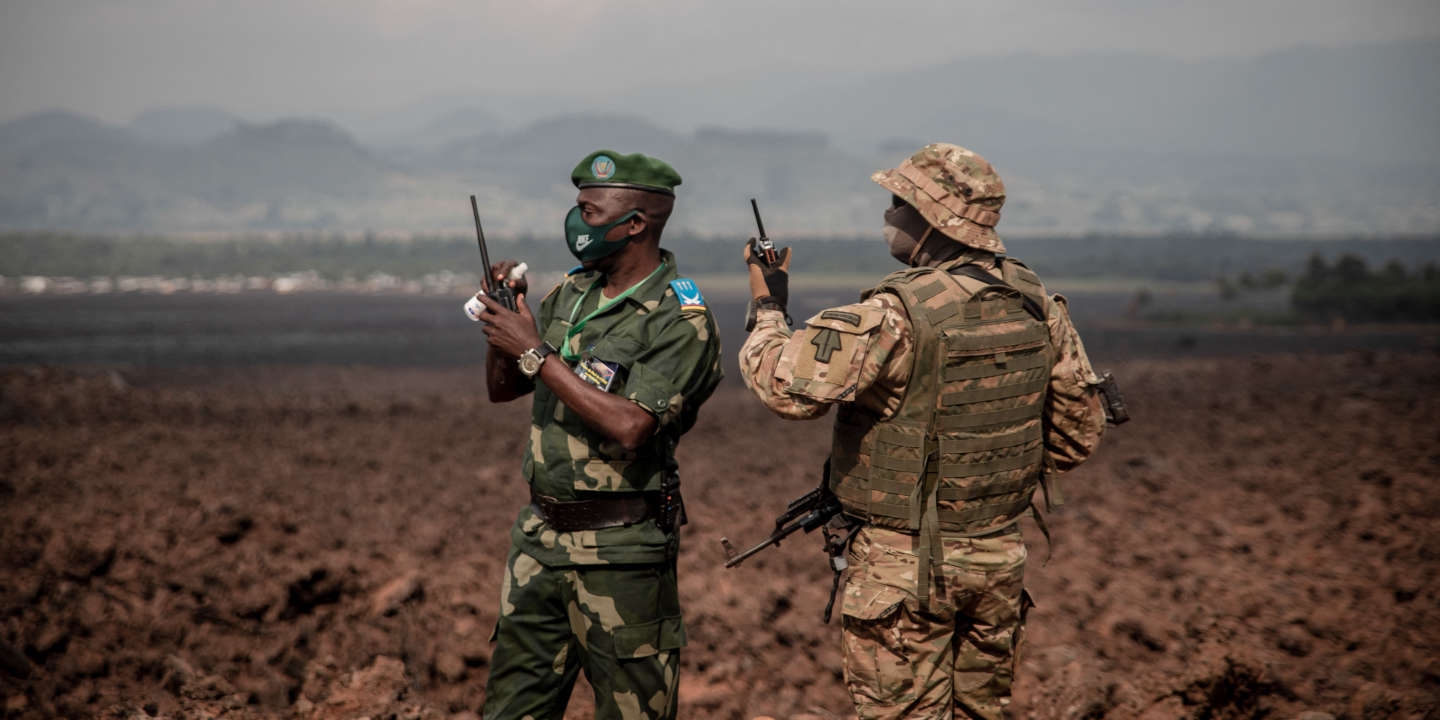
{"points": [[777, 281]]}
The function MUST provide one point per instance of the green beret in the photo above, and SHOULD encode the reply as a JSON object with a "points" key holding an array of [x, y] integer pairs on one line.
{"points": [[606, 168]]}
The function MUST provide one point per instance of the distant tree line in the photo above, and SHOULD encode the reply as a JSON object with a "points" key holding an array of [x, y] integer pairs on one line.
{"points": [[1182, 258], [338, 256], [1348, 289], [1249, 282]]}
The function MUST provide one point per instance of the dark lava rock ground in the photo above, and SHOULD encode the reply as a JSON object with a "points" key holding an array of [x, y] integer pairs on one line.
{"points": [[1260, 542]]}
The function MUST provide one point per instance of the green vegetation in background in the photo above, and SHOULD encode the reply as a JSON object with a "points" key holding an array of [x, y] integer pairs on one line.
{"points": [[1249, 283], [1347, 290], [1351, 291], [1172, 280], [1102, 260], [336, 256]]}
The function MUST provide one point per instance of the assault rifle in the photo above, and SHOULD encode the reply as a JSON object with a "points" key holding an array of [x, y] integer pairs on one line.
{"points": [[499, 292], [807, 512], [815, 509]]}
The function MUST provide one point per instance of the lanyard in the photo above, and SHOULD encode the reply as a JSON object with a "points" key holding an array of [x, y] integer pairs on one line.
{"points": [[575, 327]]}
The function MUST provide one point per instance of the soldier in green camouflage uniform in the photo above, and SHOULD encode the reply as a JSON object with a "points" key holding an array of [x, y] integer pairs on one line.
{"points": [[960, 384], [625, 353]]}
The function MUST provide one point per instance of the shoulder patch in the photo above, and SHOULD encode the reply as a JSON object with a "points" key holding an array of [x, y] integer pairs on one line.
{"points": [[841, 315], [688, 293], [825, 359], [856, 319]]}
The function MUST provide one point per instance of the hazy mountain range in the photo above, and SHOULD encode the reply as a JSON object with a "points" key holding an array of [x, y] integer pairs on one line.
{"points": [[1309, 141]]}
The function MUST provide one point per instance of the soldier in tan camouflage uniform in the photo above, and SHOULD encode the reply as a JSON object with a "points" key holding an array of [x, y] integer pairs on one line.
{"points": [[960, 386], [625, 353]]}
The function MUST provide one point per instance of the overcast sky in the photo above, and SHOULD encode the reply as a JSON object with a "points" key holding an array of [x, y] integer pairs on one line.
{"points": [[268, 58]]}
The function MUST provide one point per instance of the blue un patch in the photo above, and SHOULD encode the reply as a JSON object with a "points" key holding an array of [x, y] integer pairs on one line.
{"points": [[688, 293]]}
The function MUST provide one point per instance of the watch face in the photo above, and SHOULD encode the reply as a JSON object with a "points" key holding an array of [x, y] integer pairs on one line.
{"points": [[530, 362]]}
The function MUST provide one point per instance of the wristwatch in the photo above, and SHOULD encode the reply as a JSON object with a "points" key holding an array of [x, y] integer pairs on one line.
{"points": [[531, 360]]}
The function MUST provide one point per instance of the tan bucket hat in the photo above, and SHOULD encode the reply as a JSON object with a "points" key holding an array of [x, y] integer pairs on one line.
{"points": [[956, 191]]}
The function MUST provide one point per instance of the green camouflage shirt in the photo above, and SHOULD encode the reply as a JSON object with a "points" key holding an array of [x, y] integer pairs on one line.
{"points": [[659, 348]]}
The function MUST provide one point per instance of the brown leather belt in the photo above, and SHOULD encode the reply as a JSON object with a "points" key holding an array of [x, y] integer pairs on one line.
{"points": [[596, 513]]}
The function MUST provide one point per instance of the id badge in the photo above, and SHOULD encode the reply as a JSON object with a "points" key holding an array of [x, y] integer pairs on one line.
{"points": [[597, 372]]}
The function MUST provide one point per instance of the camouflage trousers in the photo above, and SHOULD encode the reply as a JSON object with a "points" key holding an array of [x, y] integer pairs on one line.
{"points": [[619, 623], [953, 659]]}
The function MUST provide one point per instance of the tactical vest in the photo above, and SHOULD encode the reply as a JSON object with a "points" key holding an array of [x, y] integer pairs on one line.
{"points": [[962, 455]]}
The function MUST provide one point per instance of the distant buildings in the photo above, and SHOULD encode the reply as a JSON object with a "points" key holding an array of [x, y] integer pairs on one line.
{"points": [[437, 283]]}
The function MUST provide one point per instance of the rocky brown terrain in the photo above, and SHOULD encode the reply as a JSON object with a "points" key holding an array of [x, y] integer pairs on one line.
{"points": [[326, 542]]}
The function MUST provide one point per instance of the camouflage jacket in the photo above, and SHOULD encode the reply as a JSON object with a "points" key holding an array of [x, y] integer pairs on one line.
{"points": [[660, 351], [872, 369]]}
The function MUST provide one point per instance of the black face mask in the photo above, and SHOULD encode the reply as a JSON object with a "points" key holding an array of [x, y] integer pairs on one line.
{"points": [[905, 232]]}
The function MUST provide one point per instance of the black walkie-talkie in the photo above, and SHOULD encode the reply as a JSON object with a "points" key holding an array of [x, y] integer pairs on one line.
{"points": [[764, 249], [498, 291]]}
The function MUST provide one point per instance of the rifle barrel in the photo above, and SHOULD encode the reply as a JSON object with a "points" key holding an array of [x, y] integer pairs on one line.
{"points": [[772, 540]]}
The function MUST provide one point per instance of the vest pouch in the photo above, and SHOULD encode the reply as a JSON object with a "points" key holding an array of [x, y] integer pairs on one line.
{"points": [[876, 468], [897, 467], [997, 339], [990, 402], [992, 374]]}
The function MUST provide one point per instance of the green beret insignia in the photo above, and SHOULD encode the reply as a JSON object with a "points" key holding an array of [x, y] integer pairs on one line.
{"points": [[602, 167], [607, 168]]}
